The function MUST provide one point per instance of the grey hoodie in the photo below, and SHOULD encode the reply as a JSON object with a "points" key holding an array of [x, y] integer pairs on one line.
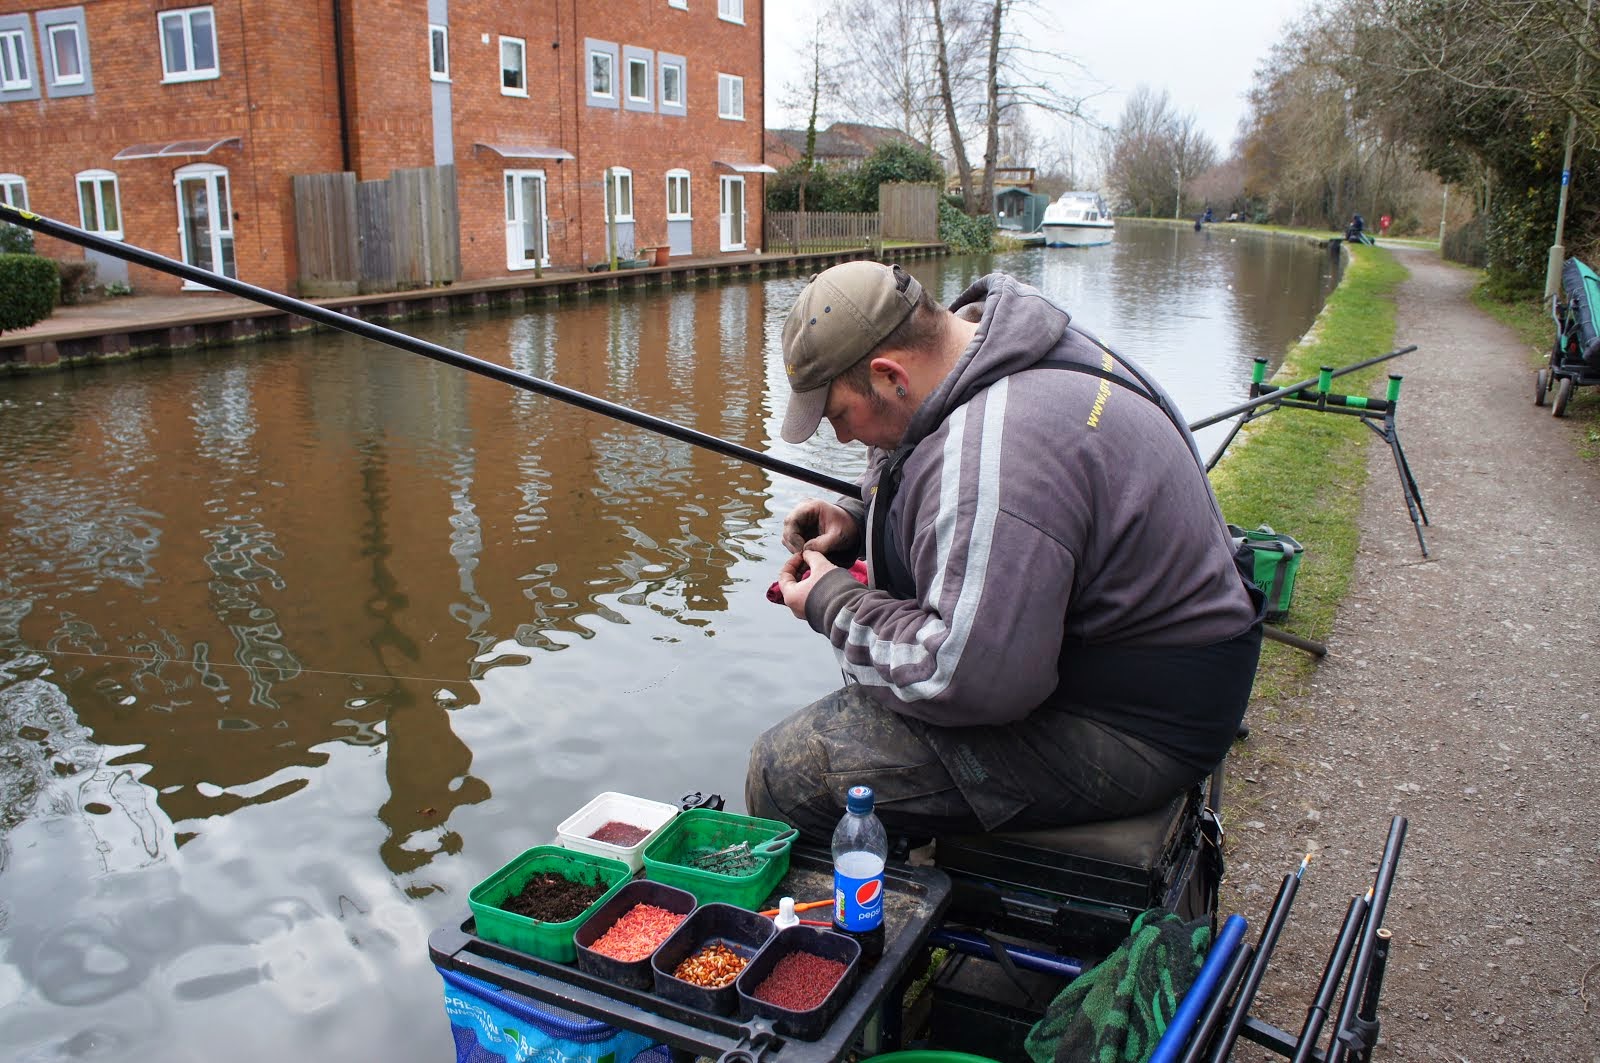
{"points": [[1039, 509]]}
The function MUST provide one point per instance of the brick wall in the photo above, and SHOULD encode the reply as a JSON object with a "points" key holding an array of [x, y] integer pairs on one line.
{"points": [[279, 94]]}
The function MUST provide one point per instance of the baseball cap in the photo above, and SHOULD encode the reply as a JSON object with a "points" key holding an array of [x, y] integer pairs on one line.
{"points": [[842, 315]]}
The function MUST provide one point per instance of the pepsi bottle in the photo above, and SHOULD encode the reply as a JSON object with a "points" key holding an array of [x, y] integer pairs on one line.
{"points": [[860, 848]]}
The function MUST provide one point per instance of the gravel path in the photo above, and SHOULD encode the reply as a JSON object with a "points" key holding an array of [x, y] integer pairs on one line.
{"points": [[1459, 693]]}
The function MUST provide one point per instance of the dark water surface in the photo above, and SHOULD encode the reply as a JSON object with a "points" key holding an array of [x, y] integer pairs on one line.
{"points": [[300, 641]]}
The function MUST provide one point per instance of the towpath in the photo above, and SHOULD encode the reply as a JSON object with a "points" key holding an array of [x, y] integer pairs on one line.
{"points": [[1460, 692]]}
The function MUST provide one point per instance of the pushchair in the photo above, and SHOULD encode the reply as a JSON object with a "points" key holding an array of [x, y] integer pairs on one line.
{"points": [[1575, 354]]}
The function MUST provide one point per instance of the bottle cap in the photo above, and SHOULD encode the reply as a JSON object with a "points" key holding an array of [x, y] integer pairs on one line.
{"points": [[858, 799]]}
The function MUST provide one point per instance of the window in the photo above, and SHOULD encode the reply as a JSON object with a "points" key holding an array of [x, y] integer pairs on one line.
{"points": [[730, 96], [439, 52], [619, 194], [188, 44], [66, 54], [14, 73], [672, 84], [513, 66], [99, 210], [731, 10], [601, 65], [681, 5], [677, 195], [639, 80], [13, 191]]}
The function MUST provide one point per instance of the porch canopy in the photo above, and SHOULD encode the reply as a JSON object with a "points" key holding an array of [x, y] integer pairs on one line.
{"points": [[746, 167], [522, 151], [171, 148]]}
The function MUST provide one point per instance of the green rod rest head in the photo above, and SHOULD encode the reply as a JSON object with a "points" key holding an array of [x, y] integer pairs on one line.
{"points": [[1325, 379], [1394, 387], [1258, 372]]}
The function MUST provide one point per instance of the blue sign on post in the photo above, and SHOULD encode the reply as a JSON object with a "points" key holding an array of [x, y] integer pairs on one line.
{"points": [[1566, 178]]}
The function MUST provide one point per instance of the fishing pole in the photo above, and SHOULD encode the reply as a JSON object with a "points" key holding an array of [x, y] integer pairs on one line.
{"points": [[1348, 1035], [1317, 1013], [1276, 918], [366, 329]]}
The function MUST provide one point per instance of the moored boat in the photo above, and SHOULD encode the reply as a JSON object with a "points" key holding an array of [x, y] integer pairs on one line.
{"points": [[1078, 219]]}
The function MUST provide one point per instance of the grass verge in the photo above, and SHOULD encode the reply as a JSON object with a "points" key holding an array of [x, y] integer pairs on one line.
{"points": [[1302, 472], [1530, 320]]}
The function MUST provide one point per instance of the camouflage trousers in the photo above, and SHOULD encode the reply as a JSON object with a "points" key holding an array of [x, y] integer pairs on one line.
{"points": [[1052, 769]]}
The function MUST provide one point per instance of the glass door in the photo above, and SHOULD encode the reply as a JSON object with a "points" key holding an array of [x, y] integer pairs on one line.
{"points": [[733, 213], [526, 234], [205, 220]]}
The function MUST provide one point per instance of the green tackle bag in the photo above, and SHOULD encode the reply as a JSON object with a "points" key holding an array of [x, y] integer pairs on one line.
{"points": [[1271, 561]]}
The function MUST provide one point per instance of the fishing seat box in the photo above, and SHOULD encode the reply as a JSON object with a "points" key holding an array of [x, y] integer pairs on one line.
{"points": [[1077, 890]]}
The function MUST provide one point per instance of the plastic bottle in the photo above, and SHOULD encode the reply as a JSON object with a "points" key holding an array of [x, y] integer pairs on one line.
{"points": [[860, 848], [786, 916]]}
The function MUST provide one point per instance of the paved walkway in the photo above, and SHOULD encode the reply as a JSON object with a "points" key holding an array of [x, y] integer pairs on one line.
{"points": [[1459, 692]]}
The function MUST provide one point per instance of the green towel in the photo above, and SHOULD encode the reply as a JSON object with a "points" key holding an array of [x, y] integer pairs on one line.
{"points": [[1117, 1011]]}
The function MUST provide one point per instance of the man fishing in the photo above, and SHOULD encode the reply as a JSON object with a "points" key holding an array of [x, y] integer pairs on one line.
{"points": [[1053, 630]]}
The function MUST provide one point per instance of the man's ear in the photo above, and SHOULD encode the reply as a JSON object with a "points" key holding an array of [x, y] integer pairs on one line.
{"points": [[889, 371]]}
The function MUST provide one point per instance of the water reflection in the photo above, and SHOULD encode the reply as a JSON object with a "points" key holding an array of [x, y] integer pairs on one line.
{"points": [[299, 641]]}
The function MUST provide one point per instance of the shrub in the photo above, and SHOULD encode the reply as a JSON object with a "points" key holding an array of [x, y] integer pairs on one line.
{"points": [[15, 240], [964, 233], [77, 280], [29, 287], [1465, 244]]}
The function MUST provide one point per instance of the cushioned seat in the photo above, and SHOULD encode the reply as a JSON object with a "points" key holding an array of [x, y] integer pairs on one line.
{"points": [[1082, 886]]}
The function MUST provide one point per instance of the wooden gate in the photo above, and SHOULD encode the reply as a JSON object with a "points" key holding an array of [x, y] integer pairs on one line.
{"points": [[797, 233], [910, 212], [374, 236]]}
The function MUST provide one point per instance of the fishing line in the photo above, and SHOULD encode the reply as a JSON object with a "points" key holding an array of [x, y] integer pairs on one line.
{"points": [[212, 665]]}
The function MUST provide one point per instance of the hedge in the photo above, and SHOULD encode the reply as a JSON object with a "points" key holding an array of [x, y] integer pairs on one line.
{"points": [[29, 289]]}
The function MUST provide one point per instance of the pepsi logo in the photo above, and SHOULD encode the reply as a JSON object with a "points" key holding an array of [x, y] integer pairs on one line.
{"points": [[869, 892]]}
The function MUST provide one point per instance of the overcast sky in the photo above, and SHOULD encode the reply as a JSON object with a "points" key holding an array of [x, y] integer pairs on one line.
{"points": [[1204, 52]]}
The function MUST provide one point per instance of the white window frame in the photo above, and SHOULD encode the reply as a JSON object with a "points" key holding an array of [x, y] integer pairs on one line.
{"points": [[190, 72], [731, 11], [687, 204], [522, 66], [15, 52], [614, 178], [14, 190], [727, 86], [611, 74], [681, 5], [98, 181], [635, 61], [56, 77], [438, 52], [666, 99]]}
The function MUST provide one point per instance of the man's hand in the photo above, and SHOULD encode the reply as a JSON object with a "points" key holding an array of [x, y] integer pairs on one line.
{"points": [[818, 525], [799, 575]]}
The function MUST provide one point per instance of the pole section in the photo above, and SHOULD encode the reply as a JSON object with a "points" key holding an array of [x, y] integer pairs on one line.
{"points": [[366, 329], [1552, 272]]}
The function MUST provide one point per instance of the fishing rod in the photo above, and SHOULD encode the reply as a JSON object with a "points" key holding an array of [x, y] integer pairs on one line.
{"points": [[1348, 1034], [366, 329], [1276, 918]]}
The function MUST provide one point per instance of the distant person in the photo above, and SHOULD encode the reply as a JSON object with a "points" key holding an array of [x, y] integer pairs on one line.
{"points": [[1356, 229], [1383, 224], [1208, 217]]}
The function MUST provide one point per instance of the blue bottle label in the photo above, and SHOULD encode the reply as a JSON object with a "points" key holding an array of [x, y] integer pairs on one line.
{"points": [[858, 892]]}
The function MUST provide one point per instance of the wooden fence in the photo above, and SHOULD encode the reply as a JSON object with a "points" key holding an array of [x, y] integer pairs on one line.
{"points": [[798, 233], [909, 212], [374, 236]]}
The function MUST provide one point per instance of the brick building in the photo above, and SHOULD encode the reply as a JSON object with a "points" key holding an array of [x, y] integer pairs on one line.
{"points": [[566, 124]]}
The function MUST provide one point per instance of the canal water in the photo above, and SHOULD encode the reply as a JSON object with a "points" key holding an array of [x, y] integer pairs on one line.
{"points": [[301, 640]]}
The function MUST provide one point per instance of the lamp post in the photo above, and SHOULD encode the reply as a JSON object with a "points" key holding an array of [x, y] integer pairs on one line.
{"points": [[1177, 196]]}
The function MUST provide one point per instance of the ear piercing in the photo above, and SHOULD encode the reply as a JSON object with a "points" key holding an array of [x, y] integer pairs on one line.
{"points": [[898, 390]]}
